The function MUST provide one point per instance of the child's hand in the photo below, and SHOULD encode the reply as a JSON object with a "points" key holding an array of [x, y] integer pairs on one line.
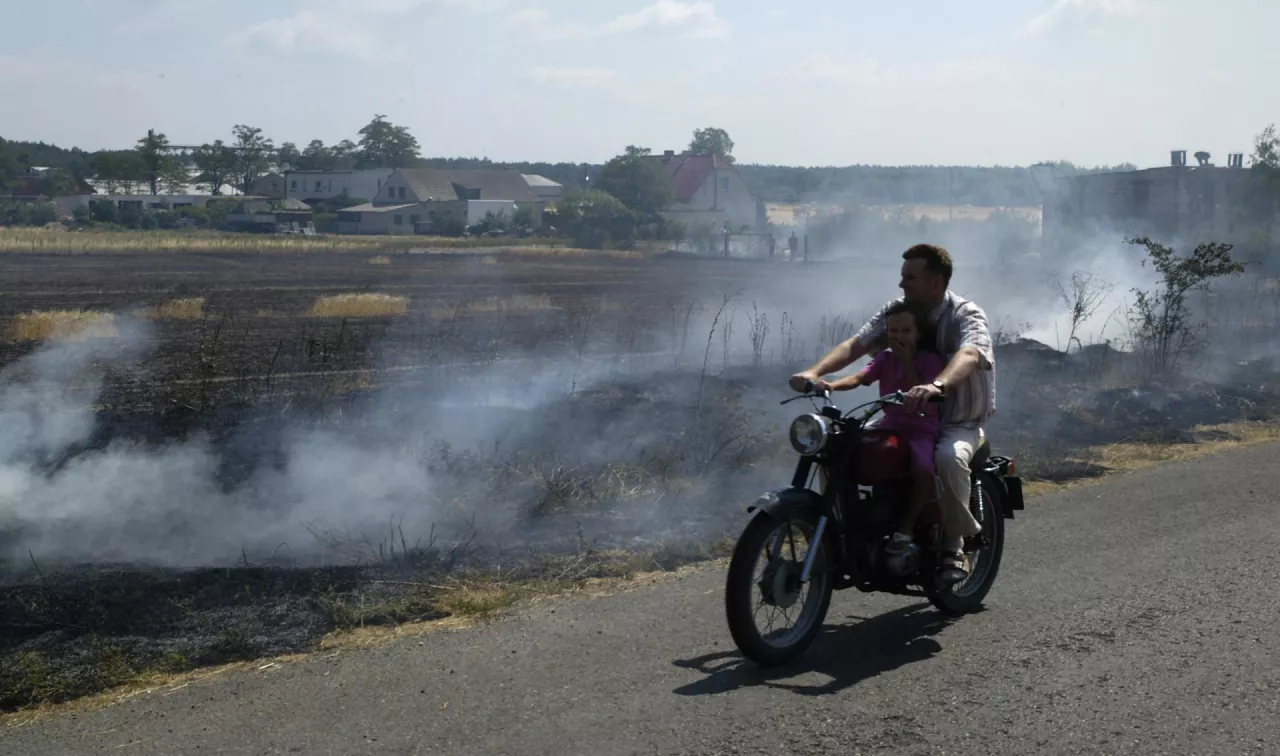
{"points": [[905, 352]]}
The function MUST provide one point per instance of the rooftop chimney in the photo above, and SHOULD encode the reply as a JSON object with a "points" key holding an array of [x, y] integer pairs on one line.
{"points": [[669, 154], [1178, 158], [1202, 157], [1235, 160]]}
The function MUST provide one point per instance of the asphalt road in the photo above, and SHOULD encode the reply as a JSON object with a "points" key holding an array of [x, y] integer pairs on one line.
{"points": [[1136, 616]]}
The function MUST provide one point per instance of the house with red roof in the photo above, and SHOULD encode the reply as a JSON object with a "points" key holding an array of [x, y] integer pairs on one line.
{"points": [[709, 192]]}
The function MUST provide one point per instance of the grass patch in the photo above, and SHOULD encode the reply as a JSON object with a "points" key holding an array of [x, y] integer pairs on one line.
{"points": [[61, 325], [490, 305], [178, 309], [89, 241], [359, 306]]}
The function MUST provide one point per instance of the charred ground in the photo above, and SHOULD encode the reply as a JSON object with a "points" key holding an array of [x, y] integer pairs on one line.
{"points": [[644, 430]]}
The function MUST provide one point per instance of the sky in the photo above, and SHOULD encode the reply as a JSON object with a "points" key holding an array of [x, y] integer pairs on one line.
{"points": [[822, 82]]}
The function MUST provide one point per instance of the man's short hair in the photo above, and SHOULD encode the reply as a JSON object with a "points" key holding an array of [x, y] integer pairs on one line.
{"points": [[936, 259]]}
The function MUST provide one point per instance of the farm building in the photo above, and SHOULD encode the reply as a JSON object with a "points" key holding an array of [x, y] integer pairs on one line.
{"points": [[411, 198], [318, 186], [1177, 202], [271, 215]]}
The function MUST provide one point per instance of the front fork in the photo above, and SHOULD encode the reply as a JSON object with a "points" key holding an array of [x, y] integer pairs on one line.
{"points": [[800, 480]]}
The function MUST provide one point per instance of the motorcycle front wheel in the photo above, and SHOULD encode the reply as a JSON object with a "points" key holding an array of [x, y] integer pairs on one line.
{"points": [[763, 588]]}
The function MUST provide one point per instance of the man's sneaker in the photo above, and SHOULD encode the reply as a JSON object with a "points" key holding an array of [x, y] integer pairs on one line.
{"points": [[898, 544]]}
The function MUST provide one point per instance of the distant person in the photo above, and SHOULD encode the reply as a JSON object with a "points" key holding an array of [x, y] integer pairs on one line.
{"points": [[968, 383], [794, 244], [772, 244]]}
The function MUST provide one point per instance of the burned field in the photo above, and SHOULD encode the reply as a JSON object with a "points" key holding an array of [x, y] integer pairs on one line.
{"points": [[235, 455]]}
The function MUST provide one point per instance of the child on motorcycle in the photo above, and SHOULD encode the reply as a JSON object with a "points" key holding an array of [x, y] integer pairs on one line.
{"points": [[908, 361]]}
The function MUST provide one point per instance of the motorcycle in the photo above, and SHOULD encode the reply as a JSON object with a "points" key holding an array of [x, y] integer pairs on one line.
{"points": [[819, 541]]}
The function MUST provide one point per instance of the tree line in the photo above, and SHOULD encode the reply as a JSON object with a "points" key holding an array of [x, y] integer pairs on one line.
{"points": [[248, 154], [616, 201]]}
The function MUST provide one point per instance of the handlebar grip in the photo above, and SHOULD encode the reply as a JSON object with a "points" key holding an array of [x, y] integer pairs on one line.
{"points": [[937, 399], [808, 387]]}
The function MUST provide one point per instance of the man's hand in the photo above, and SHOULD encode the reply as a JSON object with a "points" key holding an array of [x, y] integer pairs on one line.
{"points": [[918, 397], [800, 379]]}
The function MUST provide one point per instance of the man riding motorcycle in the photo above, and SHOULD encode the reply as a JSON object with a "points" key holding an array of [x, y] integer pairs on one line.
{"points": [[967, 384]]}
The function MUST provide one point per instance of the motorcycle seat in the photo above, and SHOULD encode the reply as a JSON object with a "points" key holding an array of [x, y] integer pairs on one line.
{"points": [[980, 455]]}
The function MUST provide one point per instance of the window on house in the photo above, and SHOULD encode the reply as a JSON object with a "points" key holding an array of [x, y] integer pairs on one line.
{"points": [[319, 185], [293, 185], [401, 192], [724, 183], [399, 220]]}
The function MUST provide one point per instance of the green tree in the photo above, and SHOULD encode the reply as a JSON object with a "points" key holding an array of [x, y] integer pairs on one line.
{"points": [[253, 155], [1164, 325], [595, 219], [217, 164], [638, 181], [385, 145], [1261, 193], [118, 169], [174, 176], [288, 157], [153, 149], [712, 141], [56, 182], [8, 166]]}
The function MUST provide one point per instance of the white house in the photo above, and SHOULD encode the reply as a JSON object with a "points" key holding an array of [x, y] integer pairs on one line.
{"points": [[412, 198], [709, 192], [318, 186]]}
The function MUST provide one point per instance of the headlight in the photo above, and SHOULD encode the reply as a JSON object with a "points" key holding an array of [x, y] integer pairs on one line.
{"points": [[809, 433]]}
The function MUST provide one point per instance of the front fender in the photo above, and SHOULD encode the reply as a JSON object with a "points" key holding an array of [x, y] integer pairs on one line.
{"points": [[783, 502]]}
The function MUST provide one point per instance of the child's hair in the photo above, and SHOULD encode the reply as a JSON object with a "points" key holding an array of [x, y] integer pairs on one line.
{"points": [[923, 327]]}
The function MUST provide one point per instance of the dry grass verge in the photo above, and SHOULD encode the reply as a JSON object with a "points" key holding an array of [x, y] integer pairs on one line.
{"points": [[1129, 456], [490, 305], [61, 325], [380, 260], [178, 309], [92, 241], [359, 306]]}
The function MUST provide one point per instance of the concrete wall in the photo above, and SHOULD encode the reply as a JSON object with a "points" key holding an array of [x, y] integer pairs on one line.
{"points": [[1190, 205]]}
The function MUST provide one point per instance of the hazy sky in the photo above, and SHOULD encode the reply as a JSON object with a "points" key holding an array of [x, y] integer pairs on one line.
{"points": [[823, 82]]}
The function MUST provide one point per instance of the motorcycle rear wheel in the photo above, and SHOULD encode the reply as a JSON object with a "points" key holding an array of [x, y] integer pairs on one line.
{"points": [[779, 584], [966, 597]]}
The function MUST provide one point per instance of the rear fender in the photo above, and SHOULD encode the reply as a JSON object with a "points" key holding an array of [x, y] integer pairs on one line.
{"points": [[1009, 486], [782, 503]]}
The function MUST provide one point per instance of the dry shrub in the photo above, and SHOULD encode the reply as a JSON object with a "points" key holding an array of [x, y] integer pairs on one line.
{"points": [[380, 260], [61, 325], [482, 305], [359, 306], [178, 309]]}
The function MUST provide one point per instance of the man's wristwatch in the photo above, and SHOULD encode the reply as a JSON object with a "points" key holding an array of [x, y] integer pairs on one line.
{"points": [[938, 385]]}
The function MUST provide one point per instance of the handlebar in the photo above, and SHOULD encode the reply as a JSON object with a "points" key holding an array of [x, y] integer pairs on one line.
{"points": [[897, 398]]}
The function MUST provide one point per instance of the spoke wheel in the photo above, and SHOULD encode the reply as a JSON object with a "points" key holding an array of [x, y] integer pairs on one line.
{"points": [[772, 615], [984, 551]]}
